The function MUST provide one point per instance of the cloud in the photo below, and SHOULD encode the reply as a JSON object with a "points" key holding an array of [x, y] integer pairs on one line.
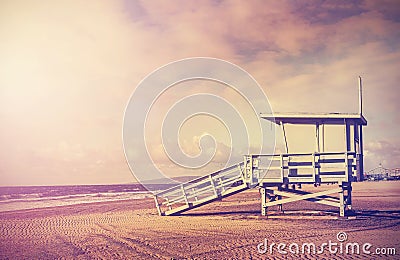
{"points": [[384, 152], [68, 69]]}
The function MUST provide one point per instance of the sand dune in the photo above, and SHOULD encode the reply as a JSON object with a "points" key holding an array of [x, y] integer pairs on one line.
{"points": [[227, 229]]}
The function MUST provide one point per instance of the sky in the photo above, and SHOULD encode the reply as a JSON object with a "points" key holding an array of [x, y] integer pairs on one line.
{"points": [[68, 69]]}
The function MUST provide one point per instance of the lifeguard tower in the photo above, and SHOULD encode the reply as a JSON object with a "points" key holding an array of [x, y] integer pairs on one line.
{"points": [[278, 175]]}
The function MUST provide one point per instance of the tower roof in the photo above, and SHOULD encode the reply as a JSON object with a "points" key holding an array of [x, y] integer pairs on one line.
{"points": [[315, 118]]}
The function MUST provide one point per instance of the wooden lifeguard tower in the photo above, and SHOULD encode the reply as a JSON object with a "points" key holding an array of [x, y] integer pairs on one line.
{"points": [[278, 175]]}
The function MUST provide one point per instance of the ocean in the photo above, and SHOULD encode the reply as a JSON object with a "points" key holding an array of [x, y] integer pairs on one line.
{"points": [[30, 197]]}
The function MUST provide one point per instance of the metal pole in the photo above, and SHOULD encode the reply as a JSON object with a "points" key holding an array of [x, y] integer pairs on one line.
{"points": [[284, 136], [317, 138], [323, 138], [361, 154], [360, 105]]}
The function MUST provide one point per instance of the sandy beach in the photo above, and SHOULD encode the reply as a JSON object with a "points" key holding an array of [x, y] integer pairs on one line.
{"points": [[227, 229]]}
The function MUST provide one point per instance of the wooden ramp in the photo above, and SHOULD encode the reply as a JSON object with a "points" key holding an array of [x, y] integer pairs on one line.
{"points": [[201, 191]]}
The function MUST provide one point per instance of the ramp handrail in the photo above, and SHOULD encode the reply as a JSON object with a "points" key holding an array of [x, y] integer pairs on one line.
{"points": [[195, 181], [200, 190]]}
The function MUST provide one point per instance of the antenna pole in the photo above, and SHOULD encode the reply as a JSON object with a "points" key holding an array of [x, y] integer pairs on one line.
{"points": [[360, 104]]}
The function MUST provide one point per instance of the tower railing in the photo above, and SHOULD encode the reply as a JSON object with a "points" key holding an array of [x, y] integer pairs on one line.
{"points": [[301, 167]]}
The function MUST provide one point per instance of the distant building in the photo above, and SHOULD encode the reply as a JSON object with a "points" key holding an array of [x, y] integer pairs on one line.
{"points": [[381, 173]]}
